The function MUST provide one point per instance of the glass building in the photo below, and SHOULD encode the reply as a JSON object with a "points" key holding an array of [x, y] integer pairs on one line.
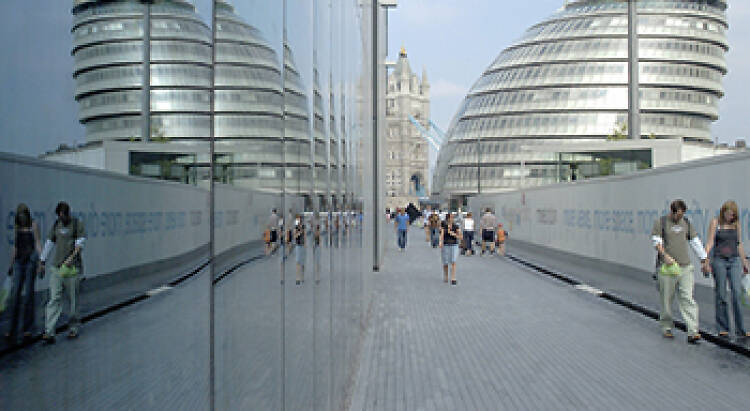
{"points": [[565, 81], [267, 110]]}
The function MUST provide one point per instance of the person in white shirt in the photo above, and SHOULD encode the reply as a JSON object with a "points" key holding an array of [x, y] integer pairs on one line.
{"points": [[469, 234]]}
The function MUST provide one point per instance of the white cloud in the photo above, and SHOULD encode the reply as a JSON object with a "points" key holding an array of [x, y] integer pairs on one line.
{"points": [[445, 88]]}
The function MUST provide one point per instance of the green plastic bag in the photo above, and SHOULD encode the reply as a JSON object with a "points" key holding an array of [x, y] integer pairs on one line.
{"points": [[68, 271], [670, 269], [4, 294]]}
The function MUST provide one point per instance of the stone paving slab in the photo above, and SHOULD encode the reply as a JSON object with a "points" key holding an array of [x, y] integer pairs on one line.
{"points": [[508, 338], [634, 285]]}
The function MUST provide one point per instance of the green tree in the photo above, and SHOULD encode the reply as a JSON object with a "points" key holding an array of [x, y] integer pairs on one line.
{"points": [[620, 132]]}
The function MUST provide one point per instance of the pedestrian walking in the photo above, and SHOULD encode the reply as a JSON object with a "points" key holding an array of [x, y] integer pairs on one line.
{"points": [[501, 237], [450, 235], [487, 224], [24, 263], [434, 223], [300, 253], [67, 237], [672, 235], [426, 221], [469, 233], [727, 261], [401, 222]]}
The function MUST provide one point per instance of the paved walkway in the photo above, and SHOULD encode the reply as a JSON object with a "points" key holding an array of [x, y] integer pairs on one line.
{"points": [[507, 338]]}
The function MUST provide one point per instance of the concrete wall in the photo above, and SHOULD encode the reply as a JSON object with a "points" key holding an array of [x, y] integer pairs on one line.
{"points": [[129, 221], [611, 218]]}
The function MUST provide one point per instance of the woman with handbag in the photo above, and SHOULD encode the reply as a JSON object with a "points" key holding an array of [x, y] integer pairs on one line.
{"points": [[727, 261], [24, 261]]}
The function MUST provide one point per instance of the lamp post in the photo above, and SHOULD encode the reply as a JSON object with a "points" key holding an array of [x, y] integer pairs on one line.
{"points": [[378, 70]]}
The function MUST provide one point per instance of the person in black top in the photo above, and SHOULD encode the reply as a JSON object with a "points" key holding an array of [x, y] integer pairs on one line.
{"points": [[24, 262], [299, 248], [727, 261], [450, 235]]}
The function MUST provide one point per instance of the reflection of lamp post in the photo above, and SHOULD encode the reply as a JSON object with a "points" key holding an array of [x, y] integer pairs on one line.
{"points": [[634, 106], [146, 79]]}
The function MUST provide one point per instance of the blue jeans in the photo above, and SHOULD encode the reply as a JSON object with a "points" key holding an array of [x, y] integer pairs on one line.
{"points": [[24, 274], [731, 269], [402, 238], [435, 236]]}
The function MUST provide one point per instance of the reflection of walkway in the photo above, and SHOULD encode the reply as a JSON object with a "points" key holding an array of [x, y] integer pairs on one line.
{"points": [[506, 338]]}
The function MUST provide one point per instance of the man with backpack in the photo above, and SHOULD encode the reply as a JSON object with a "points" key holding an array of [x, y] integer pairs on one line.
{"points": [[671, 236], [67, 236]]}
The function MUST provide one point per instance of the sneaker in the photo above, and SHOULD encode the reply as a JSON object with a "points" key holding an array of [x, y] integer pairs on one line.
{"points": [[668, 334], [694, 339]]}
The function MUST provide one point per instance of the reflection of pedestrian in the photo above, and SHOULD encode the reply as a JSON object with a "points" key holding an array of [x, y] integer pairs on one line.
{"points": [[727, 260], [300, 253], [671, 235], [272, 228], [24, 261], [67, 236], [450, 235], [316, 248], [402, 226]]}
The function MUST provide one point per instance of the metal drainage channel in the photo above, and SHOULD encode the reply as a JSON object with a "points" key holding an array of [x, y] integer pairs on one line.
{"points": [[133, 300], [647, 312]]}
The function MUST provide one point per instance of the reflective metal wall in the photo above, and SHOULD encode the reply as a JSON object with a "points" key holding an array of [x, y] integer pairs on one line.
{"points": [[233, 277]]}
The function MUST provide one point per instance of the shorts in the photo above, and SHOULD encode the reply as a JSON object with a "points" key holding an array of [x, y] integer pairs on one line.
{"points": [[300, 254], [488, 235], [273, 236], [449, 253]]}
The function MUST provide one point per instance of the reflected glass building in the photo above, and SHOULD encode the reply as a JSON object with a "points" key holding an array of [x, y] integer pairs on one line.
{"points": [[227, 190], [566, 81], [113, 62]]}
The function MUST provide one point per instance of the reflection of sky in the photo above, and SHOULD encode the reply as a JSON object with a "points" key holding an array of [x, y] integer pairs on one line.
{"points": [[37, 110]]}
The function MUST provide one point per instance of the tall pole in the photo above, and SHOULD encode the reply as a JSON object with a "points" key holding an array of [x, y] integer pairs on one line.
{"points": [[211, 217], [146, 81], [634, 106]]}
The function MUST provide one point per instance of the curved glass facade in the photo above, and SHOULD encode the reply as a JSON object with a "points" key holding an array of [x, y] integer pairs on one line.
{"points": [[566, 80]]}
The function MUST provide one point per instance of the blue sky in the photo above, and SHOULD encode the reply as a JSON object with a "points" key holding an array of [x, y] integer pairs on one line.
{"points": [[455, 40]]}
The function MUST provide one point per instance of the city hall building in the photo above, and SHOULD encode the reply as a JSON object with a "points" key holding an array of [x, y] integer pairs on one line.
{"points": [[554, 105]]}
